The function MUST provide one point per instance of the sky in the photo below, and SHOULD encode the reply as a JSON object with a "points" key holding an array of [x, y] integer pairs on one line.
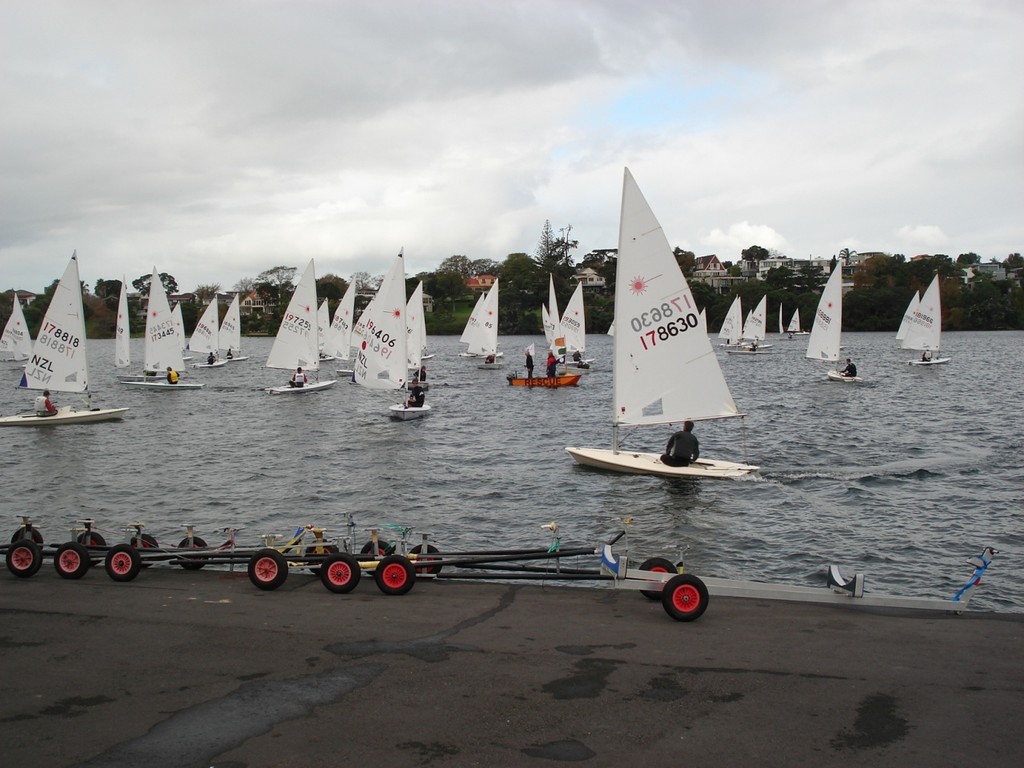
{"points": [[218, 139]]}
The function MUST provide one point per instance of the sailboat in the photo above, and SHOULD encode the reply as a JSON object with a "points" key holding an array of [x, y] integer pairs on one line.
{"points": [[484, 335], [16, 341], [179, 330], [382, 359], [205, 339], [230, 335], [296, 344], [732, 327], [924, 329], [826, 333], [754, 332], [664, 369], [793, 329], [574, 330], [338, 339], [122, 330], [416, 331], [323, 324], [58, 361], [901, 332], [549, 316], [163, 345]]}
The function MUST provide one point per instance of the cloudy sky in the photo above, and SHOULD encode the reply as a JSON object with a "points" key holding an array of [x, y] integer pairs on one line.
{"points": [[218, 138]]}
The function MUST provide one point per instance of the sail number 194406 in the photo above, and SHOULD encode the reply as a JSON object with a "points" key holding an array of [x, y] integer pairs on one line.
{"points": [[664, 321]]}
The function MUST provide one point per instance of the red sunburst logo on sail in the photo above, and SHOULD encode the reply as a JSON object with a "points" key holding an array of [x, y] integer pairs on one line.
{"points": [[396, 313], [638, 285]]}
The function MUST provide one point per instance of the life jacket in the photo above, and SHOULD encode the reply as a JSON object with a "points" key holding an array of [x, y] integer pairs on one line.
{"points": [[172, 376], [41, 406]]}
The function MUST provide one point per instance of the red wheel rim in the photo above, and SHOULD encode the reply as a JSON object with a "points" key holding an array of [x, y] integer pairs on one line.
{"points": [[394, 575], [339, 574], [21, 558], [686, 598], [265, 569], [121, 563], [69, 561]]}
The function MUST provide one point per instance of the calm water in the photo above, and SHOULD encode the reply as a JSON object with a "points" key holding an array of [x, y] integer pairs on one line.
{"points": [[900, 478]]}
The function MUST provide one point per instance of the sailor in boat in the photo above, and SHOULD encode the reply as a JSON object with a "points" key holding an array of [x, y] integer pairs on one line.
{"points": [[172, 375], [43, 405], [416, 395], [423, 372], [529, 365], [683, 447], [753, 346], [552, 364], [298, 379], [489, 359], [926, 356], [230, 356], [211, 359], [850, 370]]}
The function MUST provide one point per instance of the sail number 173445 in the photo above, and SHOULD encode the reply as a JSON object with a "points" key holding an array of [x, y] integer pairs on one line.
{"points": [[664, 321]]}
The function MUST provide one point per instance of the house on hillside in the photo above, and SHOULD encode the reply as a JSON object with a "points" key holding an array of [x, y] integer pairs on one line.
{"points": [[480, 283], [589, 278]]}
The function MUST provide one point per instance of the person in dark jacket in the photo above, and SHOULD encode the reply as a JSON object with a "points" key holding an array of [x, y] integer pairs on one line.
{"points": [[683, 447]]}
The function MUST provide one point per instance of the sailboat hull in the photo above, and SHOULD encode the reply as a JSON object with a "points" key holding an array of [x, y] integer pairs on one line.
{"points": [[64, 416], [407, 413], [650, 464], [837, 376], [933, 361], [315, 386]]}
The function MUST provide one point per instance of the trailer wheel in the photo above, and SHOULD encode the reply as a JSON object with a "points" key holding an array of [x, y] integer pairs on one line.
{"points": [[122, 562], [431, 550], [384, 547], [148, 542], [24, 558], [658, 565], [22, 533], [91, 539], [268, 569], [394, 575], [71, 560], [320, 549], [340, 573], [685, 597], [192, 564]]}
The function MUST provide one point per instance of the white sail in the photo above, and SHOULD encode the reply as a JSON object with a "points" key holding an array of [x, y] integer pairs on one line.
{"points": [[732, 326], [924, 328], [665, 370], [58, 360], [415, 328], [905, 322], [323, 322], [206, 336], [781, 329], [296, 341], [827, 329], [230, 335], [474, 320], [163, 347], [549, 314], [574, 323], [757, 322], [16, 341], [382, 358], [179, 326], [338, 339], [483, 335], [794, 322], [122, 338]]}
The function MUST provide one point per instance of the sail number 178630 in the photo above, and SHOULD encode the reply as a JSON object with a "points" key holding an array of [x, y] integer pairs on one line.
{"points": [[664, 321]]}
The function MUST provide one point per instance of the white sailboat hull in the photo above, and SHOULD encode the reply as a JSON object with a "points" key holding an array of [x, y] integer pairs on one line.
{"points": [[650, 464], [933, 361], [217, 364], [407, 413], [315, 386], [162, 385], [837, 376], [64, 415]]}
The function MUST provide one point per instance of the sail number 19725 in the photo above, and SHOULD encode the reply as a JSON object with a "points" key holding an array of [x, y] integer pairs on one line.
{"points": [[664, 321]]}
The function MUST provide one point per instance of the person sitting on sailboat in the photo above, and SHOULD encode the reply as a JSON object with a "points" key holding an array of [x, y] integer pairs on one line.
{"points": [[211, 359], [850, 370], [926, 356], [172, 375], [683, 447], [298, 379], [416, 395], [230, 356], [43, 405]]}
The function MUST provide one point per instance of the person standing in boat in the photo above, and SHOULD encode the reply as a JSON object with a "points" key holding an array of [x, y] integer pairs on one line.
{"points": [[552, 365], [172, 375], [298, 379], [850, 370], [43, 405], [683, 447], [529, 363], [416, 395]]}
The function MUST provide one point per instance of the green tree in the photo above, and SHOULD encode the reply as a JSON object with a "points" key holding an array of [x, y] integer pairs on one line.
{"points": [[141, 283], [520, 277], [458, 264]]}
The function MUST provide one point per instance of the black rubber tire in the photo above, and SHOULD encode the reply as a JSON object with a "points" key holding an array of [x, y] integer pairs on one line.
{"points": [[659, 565], [384, 547], [325, 549], [148, 542], [91, 539], [394, 575], [192, 564], [71, 560], [340, 573], [24, 558], [685, 597], [122, 562], [19, 534], [431, 550], [268, 569]]}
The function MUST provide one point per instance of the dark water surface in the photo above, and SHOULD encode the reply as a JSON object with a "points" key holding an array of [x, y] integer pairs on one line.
{"points": [[900, 478]]}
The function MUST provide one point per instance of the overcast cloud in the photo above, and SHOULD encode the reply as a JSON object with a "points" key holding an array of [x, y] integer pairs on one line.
{"points": [[215, 139]]}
